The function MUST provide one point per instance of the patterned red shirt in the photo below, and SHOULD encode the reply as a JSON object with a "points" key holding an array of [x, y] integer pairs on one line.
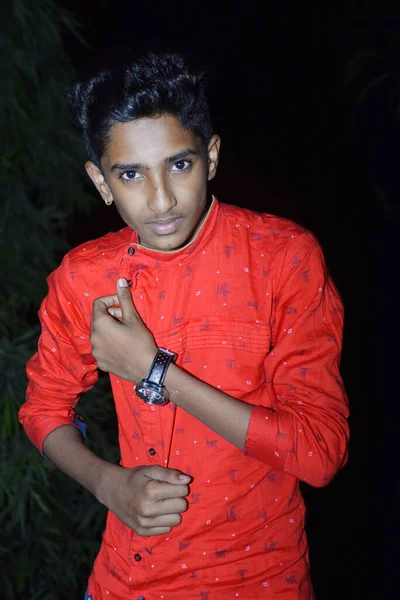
{"points": [[249, 308]]}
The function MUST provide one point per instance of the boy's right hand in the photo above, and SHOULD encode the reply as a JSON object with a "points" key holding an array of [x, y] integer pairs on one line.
{"points": [[147, 499]]}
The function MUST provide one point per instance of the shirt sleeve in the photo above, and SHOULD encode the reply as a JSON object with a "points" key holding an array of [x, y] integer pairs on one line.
{"points": [[63, 366], [299, 424]]}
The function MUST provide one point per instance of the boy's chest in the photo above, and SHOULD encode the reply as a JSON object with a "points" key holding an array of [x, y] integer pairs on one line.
{"points": [[214, 312], [201, 290]]}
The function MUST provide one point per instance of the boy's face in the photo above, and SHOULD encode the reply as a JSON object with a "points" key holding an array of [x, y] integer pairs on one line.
{"points": [[156, 172]]}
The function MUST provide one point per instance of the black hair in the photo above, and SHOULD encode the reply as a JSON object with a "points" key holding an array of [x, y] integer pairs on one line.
{"points": [[149, 86]]}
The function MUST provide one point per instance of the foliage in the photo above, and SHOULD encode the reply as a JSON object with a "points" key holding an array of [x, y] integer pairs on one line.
{"points": [[50, 527]]}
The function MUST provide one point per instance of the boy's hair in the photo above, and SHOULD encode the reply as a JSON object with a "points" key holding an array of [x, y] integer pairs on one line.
{"points": [[151, 85]]}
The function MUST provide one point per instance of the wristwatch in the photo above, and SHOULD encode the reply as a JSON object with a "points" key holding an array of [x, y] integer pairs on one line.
{"points": [[151, 389]]}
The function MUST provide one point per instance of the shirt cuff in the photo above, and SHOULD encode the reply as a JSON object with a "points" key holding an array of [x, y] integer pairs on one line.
{"points": [[265, 441]]}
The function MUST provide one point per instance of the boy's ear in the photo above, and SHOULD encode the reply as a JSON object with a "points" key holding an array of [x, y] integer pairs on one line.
{"points": [[213, 154], [98, 179]]}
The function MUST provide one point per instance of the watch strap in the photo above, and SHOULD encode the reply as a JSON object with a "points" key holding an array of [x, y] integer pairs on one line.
{"points": [[159, 366]]}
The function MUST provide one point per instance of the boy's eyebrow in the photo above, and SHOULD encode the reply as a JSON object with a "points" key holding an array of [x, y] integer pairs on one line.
{"points": [[168, 160]]}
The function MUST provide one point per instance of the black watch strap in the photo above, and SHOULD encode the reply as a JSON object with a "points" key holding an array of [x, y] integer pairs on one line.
{"points": [[159, 366]]}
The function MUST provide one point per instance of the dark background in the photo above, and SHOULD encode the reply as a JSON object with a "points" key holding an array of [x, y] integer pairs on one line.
{"points": [[294, 144]]}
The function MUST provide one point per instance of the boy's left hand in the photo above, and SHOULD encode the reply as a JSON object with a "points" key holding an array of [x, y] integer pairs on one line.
{"points": [[121, 342]]}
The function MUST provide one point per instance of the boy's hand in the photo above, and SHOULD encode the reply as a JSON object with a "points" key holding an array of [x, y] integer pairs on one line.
{"points": [[121, 342], [149, 500]]}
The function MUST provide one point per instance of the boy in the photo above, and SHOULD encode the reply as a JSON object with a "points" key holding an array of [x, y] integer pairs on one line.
{"points": [[221, 331]]}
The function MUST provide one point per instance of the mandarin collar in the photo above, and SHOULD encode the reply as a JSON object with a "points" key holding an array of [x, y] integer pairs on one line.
{"points": [[149, 257]]}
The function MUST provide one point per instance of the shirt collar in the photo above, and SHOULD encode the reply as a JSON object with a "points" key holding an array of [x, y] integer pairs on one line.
{"points": [[200, 239]]}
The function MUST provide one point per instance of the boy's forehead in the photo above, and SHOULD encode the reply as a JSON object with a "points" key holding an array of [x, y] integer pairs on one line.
{"points": [[148, 140]]}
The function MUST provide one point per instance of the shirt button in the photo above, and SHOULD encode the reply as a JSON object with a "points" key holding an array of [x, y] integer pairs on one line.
{"points": [[152, 452], [137, 557], [131, 251], [141, 598]]}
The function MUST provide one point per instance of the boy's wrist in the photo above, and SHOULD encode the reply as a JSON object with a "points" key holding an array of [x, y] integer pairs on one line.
{"points": [[105, 482]]}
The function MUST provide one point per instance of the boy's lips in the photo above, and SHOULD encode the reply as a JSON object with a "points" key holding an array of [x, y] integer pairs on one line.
{"points": [[165, 227]]}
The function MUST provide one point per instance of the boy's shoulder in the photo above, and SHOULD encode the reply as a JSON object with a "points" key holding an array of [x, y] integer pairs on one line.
{"points": [[91, 268], [259, 223], [100, 249]]}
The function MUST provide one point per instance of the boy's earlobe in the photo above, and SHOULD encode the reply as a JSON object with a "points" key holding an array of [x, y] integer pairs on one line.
{"points": [[98, 179]]}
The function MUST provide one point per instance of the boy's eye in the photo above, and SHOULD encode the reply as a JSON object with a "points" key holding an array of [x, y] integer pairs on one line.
{"points": [[129, 175], [182, 165]]}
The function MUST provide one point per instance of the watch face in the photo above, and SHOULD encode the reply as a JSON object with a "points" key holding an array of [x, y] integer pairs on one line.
{"points": [[150, 393]]}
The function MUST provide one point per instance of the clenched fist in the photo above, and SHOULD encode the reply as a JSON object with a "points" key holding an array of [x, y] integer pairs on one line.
{"points": [[147, 499]]}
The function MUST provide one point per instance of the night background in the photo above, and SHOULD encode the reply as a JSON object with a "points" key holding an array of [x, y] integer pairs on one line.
{"points": [[306, 99]]}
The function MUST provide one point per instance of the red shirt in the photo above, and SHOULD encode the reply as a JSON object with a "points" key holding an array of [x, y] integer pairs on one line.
{"points": [[249, 308]]}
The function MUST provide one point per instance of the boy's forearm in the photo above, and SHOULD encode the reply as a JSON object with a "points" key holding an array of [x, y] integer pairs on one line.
{"points": [[66, 449], [222, 413]]}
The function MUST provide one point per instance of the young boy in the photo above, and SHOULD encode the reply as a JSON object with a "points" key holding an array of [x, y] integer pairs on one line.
{"points": [[221, 331]]}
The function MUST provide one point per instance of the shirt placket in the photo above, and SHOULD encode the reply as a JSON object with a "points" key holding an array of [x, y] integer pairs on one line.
{"points": [[156, 424]]}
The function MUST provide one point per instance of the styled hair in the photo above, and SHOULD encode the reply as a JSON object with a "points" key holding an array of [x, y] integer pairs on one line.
{"points": [[152, 85]]}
